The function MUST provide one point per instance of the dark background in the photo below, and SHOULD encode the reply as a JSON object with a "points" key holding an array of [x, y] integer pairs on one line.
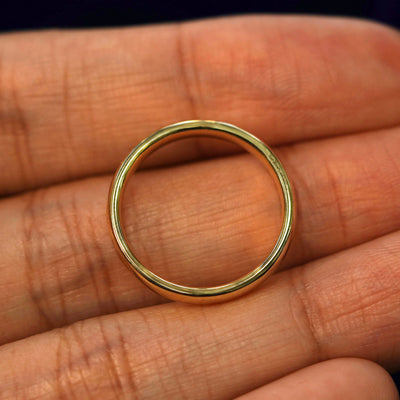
{"points": [[25, 14], [38, 14]]}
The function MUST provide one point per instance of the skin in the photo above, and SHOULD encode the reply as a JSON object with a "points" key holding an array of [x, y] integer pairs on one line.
{"points": [[74, 323]]}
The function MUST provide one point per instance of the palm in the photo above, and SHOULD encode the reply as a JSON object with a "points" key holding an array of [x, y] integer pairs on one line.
{"points": [[73, 104]]}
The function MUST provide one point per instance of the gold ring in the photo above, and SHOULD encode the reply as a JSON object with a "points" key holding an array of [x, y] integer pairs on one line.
{"points": [[219, 130]]}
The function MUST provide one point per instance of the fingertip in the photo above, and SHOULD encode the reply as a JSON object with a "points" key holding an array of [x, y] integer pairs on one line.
{"points": [[342, 378]]}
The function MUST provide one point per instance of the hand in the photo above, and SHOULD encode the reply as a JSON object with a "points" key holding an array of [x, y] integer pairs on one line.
{"points": [[325, 93]]}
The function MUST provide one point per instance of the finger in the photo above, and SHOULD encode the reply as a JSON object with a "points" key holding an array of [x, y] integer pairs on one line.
{"points": [[59, 264], [346, 305], [342, 378], [74, 103]]}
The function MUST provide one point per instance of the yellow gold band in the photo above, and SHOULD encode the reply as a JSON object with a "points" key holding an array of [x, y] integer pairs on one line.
{"points": [[219, 130]]}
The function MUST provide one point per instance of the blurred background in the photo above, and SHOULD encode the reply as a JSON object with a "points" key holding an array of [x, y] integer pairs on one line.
{"points": [[23, 15]]}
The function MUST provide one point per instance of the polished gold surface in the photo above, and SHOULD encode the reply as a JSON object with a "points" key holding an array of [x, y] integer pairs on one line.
{"points": [[219, 130]]}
